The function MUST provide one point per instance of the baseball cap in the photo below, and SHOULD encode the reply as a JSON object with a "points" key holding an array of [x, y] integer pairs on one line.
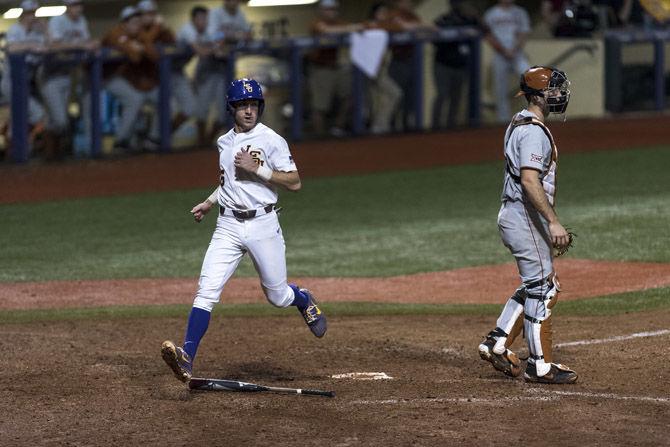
{"points": [[329, 4], [29, 5], [128, 12], [147, 6]]}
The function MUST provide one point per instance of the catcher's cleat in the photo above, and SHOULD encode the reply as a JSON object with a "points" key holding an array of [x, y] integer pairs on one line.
{"points": [[178, 360], [508, 362], [314, 317], [559, 374]]}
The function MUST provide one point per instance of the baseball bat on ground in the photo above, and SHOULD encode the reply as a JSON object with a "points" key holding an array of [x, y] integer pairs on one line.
{"points": [[233, 385]]}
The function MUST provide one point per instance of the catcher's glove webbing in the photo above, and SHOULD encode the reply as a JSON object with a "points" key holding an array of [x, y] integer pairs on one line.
{"points": [[560, 251]]}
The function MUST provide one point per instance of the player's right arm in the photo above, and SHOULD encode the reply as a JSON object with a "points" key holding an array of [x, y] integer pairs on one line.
{"points": [[534, 192], [203, 208]]}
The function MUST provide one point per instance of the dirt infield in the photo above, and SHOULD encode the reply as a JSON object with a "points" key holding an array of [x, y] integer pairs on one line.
{"points": [[96, 382], [102, 382], [582, 279]]}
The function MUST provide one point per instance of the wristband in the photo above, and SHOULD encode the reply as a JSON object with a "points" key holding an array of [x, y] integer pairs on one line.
{"points": [[214, 197], [264, 172]]}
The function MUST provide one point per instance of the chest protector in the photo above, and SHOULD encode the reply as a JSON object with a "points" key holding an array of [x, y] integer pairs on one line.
{"points": [[548, 177]]}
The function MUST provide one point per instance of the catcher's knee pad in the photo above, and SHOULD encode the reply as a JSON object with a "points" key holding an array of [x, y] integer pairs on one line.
{"points": [[546, 289], [509, 322], [279, 296]]}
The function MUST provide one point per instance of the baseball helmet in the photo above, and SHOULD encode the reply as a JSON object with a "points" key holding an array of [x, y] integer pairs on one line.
{"points": [[539, 80], [241, 89]]}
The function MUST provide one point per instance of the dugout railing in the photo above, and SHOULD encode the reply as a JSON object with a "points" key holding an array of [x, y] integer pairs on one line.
{"points": [[615, 41], [293, 50]]}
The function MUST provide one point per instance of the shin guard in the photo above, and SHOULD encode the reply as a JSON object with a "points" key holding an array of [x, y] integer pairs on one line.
{"points": [[509, 319]]}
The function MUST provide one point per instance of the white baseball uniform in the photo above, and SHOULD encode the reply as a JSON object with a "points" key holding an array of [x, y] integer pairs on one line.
{"points": [[260, 235]]}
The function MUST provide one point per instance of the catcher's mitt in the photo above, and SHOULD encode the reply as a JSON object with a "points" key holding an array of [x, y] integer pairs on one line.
{"points": [[560, 251]]}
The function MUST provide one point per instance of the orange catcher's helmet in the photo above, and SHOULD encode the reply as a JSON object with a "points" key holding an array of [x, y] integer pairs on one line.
{"points": [[549, 83]]}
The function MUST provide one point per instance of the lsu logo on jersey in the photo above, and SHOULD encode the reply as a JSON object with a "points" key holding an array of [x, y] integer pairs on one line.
{"points": [[256, 154], [248, 87]]}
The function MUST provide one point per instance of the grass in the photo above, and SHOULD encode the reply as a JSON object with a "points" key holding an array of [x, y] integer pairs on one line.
{"points": [[375, 225], [648, 300]]}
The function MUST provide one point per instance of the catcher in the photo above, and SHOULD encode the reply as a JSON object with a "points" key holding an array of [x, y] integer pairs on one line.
{"points": [[530, 229]]}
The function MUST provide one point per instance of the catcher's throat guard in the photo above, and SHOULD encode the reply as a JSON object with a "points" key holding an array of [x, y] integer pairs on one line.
{"points": [[549, 83]]}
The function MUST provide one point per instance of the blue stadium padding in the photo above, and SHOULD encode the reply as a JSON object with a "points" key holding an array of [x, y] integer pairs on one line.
{"points": [[19, 105]]}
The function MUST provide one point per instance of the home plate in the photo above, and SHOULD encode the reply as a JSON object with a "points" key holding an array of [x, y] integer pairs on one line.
{"points": [[363, 376]]}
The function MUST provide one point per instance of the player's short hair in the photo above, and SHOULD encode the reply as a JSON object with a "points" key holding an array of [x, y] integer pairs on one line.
{"points": [[198, 9]]}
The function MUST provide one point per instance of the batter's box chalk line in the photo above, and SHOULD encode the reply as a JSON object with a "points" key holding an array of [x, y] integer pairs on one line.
{"points": [[363, 376], [589, 395], [598, 341]]}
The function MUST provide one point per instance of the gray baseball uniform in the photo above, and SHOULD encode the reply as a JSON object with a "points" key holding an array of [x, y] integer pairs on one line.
{"points": [[17, 33], [57, 76], [525, 232], [222, 25], [190, 103], [506, 23]]}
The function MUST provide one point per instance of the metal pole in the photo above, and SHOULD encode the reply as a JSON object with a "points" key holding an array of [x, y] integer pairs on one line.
{"points": [[296, 92], [19, 104], [659, 73], [95, 81], [230, 77], [474, 84], [613, 75], [164, 90], [418, 84]]}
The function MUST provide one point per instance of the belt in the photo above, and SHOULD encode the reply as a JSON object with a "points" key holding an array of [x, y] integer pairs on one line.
{"points": [[246, 214]]}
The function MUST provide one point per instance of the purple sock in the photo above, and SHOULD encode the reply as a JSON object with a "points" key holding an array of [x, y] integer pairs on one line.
{"points": [[301, 300], [198, 321]]}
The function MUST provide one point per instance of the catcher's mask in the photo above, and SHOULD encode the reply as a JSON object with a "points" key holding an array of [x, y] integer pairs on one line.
{"points": [[548, 83], [241, 89]]}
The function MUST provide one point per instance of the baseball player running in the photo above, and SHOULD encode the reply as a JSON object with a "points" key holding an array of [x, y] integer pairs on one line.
{"points": [[254, 161], [530, 229]]}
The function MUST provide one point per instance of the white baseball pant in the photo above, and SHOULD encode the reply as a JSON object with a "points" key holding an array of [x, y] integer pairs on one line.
{"points": [[260, 236]]}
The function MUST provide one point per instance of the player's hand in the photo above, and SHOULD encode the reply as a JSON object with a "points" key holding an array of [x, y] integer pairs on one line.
{"points": [[200, 210], [244, 161], [559, 237]]}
